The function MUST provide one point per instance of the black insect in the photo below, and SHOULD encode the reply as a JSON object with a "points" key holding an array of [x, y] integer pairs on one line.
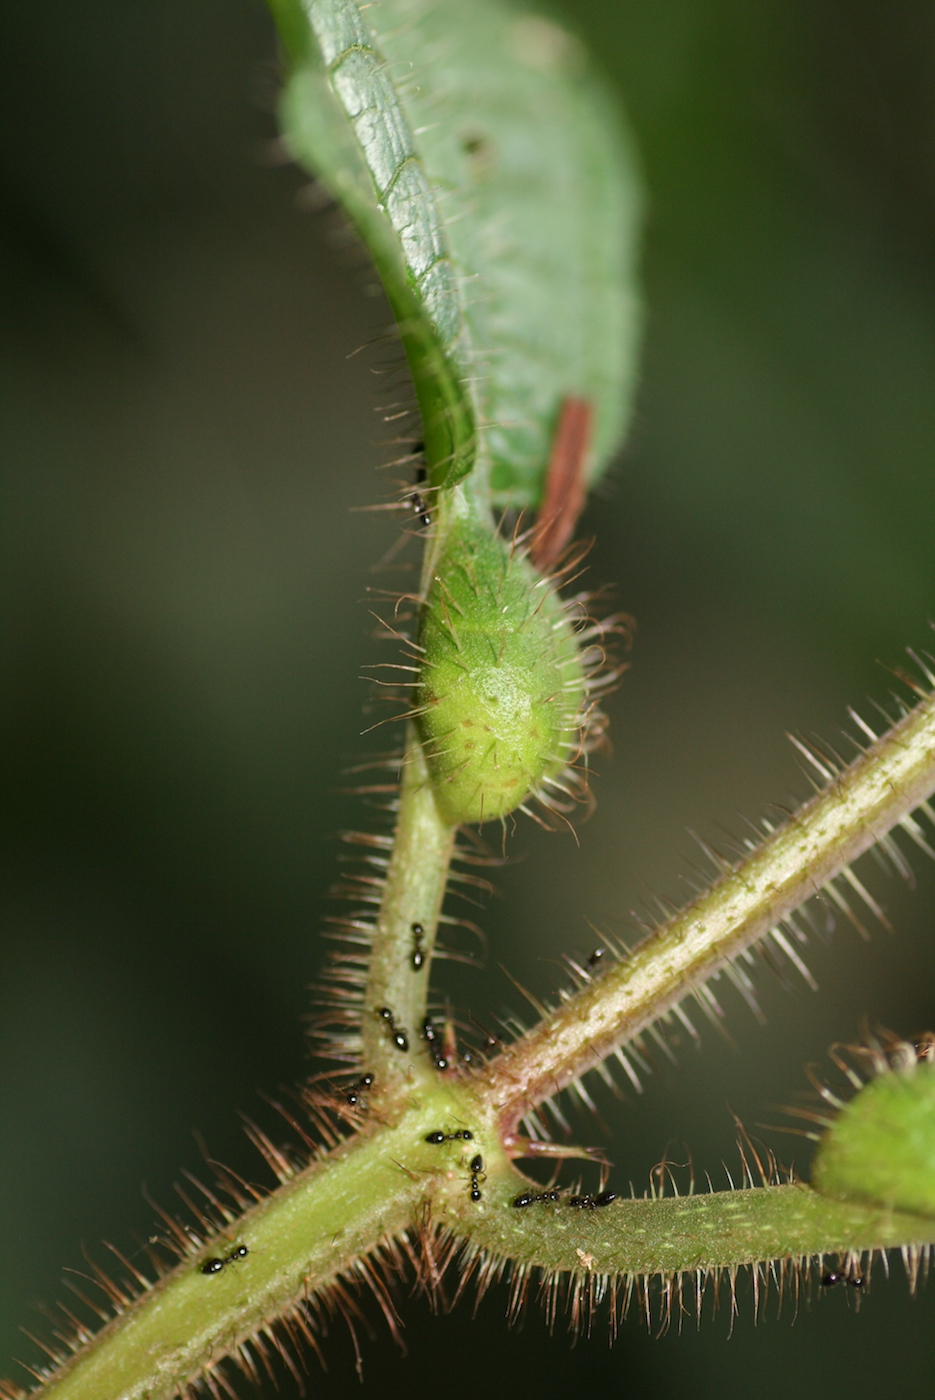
{"points": [[592, 1202], [462, 1135], [477, 1175], [398, 1036], [215, 1265], [528, 1198], [352, 1096], [418, 951], [594, 960], [417, 501], [829, 1279], [434, 1042]]}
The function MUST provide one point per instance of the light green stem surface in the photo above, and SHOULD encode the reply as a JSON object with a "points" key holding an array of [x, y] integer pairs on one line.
{"points": [[310, 1230], [322, 1223], [415, 888], [721, 1230]]}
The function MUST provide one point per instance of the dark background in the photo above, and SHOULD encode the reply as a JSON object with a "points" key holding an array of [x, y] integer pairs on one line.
{"points": [[184, 620]]}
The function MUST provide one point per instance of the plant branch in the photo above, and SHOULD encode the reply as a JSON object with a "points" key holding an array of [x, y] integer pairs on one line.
{"points": [[877, 791], [676, 1234], [299, 1239], [415, 888]]}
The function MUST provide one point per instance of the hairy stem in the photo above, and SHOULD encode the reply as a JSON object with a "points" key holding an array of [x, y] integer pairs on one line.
{"points": [[314, 1227], [719, 1230], [878, 790], [308, 1247], [415, 888], [325, 1224]]}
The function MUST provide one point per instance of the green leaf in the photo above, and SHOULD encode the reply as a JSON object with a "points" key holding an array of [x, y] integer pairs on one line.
{"points": [[489, 174]]}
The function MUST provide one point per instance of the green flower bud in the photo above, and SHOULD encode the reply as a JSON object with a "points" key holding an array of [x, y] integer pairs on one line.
{"points": [[882, 1145], [502, 690]]}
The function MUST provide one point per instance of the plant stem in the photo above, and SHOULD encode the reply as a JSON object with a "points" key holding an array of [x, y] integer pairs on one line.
{"points": [[415, 888], [878, 790], [330, 1219], [676, 1234], [311, 1229]]}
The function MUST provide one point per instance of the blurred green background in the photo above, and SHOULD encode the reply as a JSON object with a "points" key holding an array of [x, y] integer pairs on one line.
{"points": [[184, 615]]}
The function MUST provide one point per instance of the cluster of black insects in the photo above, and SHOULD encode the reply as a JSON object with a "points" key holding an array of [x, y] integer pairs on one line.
{"points": [[528, 1198], [430, 1034], [477, 1162], [215, 1265]]}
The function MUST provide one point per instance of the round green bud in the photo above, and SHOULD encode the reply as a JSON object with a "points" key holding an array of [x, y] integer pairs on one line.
{"points": [[882, 1145], [501, 690]]}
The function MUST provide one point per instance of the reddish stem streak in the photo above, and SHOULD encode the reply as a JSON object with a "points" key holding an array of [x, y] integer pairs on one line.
{"points": [[564, 483]]}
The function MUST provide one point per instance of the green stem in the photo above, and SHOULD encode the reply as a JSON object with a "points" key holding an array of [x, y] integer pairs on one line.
{"points": [[327, 1221], [300, 1238], [331, 1218], [417, 875], [671, 1235], [415, 888], [878, 790]]}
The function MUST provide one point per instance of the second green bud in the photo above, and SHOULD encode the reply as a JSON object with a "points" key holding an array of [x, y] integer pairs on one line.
{"points": [[502, 694]]}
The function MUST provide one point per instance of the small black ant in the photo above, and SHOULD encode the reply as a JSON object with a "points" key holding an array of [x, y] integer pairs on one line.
{"points": [[436, 1049], [593, 1202], [528, 1198], [829, 1279], [215, 1265], [352, 1095], [399, 1037], [417, 501], [462, 1135], [477, 1174], [418, 952]]}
